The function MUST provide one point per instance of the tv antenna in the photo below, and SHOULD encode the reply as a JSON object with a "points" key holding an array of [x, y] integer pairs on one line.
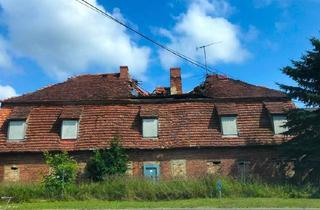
{"points": [[205, 53]]}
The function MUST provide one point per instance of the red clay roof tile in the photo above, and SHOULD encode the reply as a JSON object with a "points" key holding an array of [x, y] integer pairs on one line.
{"points": [[81, 88], [217, 86]]}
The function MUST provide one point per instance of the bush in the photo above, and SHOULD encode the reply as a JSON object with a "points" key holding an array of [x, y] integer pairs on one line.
{"points": [[107, 162], [63, 171]]}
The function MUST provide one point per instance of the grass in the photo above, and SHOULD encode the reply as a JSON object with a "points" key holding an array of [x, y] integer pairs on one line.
{"points": [[140, 190], [190, 203]]}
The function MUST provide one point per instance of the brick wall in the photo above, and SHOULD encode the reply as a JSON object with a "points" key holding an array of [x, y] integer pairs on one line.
{"points": [[32, 168]]}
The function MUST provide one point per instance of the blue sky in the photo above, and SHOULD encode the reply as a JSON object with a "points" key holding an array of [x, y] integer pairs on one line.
{"points": [[46, 41]]}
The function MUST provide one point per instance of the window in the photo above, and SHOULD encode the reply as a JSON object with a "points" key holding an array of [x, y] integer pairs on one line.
{"points": [[244, 170], [17, 130], [69, 129], [278, 122], [214, 167], [229, 125], [150, 127], [151, 171]]}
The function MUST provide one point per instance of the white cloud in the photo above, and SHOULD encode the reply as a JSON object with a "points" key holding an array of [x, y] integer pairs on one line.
{"points": [[65, 38], [7, 92], [204, 23], [5, 60]]}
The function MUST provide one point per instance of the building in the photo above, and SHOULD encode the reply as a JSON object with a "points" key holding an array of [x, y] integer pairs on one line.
{"points": [[223, 126]]}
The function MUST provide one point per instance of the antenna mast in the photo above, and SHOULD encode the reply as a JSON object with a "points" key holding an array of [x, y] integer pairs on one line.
{"points": [[205, 53]]}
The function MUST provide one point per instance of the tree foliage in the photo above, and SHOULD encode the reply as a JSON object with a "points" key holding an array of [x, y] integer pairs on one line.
{"points": [[304, 124], [108, 162], [63, 172]]}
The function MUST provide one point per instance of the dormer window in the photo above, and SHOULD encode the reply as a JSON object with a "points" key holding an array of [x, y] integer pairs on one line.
{"points": [[17, 125], [279, 122], [16, 130], [229, 125], [228, 119], [69, 129], [150, 122], [150, 128], [70, 118], [276, 111]]}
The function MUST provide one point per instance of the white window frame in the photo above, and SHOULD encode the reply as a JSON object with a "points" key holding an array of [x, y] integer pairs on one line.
{"points": [[63, 136], [224, 134], [156, 128], [24, 129], [278, 130]]}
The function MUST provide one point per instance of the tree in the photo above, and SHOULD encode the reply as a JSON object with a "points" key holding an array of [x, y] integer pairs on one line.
{"points": [[63, 172], [304, 124], [108, 162]]}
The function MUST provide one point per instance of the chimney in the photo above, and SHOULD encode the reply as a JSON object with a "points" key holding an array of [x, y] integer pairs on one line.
{"points": [[175, 81], [124, 72]]}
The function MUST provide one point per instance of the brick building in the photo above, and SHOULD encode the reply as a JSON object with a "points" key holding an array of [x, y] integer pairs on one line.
{"points": [[223, 126]]}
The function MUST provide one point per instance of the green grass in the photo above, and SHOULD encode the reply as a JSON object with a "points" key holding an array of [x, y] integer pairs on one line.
{"points": [[138, 189], [191, 203]]}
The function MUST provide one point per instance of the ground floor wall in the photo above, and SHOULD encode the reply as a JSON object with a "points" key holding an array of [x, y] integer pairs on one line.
{"points": [[240, 162]]}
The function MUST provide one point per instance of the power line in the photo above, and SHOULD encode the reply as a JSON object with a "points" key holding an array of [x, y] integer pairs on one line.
{"points": [[180, 55]]}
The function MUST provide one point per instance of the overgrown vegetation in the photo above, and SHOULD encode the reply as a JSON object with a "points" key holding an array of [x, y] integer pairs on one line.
{"points": [[62, 175], [108, 162], [130, 188]]}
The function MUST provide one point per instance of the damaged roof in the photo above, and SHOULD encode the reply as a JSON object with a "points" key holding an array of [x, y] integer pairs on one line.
{"points": [[81, 88], [103, 87], [217, 86]]}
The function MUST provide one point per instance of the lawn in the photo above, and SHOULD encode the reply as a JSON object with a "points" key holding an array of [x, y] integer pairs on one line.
{"points": [[224, 202]]}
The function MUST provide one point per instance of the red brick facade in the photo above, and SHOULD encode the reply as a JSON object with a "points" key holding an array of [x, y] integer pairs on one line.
{"points": [[189, 142], [261, 162]]}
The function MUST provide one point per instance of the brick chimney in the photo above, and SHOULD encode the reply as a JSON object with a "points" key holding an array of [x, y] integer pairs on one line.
{"points": [[175, 81], [124, 72]]}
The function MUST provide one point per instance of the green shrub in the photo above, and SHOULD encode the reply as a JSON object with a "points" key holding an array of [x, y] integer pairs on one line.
{"points": [[108, 162], [63, 172]]}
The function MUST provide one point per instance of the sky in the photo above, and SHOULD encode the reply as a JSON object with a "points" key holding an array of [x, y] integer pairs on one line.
{"points": [[45, 42]]}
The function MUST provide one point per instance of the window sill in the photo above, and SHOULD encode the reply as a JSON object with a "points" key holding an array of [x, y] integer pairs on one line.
{"points": [[16, 141], [230, 136], [150, 138]]}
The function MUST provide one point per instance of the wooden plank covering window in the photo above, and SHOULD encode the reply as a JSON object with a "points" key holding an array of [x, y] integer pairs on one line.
{"points": [[278, 124], [150, 127], [16, 130], [229, 125], [69, 129]]}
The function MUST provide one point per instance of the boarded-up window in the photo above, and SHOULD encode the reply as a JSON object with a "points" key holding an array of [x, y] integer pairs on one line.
{"points": [[289, 169], [150, 127], [16, 130], [11, 173], [178, 168], [69, 129], [129, 171], [214, 167], [244, 170], [278, 124], [229, 125]]}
